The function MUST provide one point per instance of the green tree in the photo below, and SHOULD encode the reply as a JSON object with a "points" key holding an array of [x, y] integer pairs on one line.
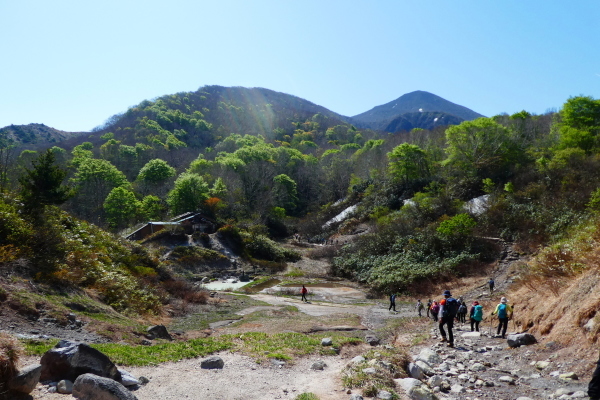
{"points": [[42, 185], [153, 208], [285, 192], [121, 207], [582, 112], [156, 171], [95, 179], [188, 194], [481, 147], [408, 162], [219, 189]]}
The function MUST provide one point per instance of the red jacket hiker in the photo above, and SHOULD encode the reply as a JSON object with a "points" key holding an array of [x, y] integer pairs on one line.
{"points": [[304, 290]]}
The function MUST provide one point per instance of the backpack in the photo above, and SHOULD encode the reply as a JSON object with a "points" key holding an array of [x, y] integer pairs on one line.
{"points": [[450, 308], [435, 308], [502, 310], [478, 313], [462, 309]]}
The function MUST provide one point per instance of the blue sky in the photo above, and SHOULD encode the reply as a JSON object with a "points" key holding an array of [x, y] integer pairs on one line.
{"points": [[73, 64]]}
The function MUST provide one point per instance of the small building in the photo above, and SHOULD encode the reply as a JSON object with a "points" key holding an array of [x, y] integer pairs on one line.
{"points": [[191, 222]]}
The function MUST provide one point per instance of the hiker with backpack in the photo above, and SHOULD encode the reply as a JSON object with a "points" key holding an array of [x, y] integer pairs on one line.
{"points": [[429, 304], [392, 302], [435, 309], [504, 312], [491, 283], [476, 315], [447, 313], [419, 307], [462, 313]]}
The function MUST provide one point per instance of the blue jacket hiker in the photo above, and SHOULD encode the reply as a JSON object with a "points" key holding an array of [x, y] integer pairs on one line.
{"points": [[475, 316], [504, 312]]}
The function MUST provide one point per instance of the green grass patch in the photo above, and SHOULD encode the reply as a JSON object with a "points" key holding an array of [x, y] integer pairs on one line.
{"points": [[281, 346], [295, 273], [287, 345], [164, 352], [307, 396], [36, 347]]}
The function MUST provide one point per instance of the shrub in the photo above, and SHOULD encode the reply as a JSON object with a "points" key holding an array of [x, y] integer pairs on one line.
{"points": [[10, 351], [261, 247]]}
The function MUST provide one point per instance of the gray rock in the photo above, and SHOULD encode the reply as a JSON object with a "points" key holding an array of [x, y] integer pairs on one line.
{"points": [[326, 342], [212, 362], [384, 395], [94, 387], [456, 388], [429, 356], [569, 376], [372, 340], [521, 339], [68, 360], [542, 364], [143, 380], [127, 379], [369, 371], [561, 391], [435, 380], [318, 365], [356, 397], [65, 386], [507, 379], [422, 393], [524, 398], [580, 394], [426, 368], [358, 360], [408, 383], [158, 332], [414, 371], [26, 379], [477, 367]]}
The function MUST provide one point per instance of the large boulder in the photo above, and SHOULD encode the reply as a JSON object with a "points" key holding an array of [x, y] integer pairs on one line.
{"points": [[68, 360], [521, 339], [94, 387], [158, 332], [26, 379]]}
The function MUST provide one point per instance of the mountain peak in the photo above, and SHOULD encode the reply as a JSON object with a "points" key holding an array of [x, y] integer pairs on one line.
{"points": [[414, 102]]}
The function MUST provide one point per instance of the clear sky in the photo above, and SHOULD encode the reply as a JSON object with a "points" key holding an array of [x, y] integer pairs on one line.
{"points": [[73, 64]]}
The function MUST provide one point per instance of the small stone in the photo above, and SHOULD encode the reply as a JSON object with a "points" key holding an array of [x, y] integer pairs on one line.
{"points": [[457, 388], [356, 397], [478, 367], [318, 365], [507, 379], [213, 362], [580, 394], [384, 395], [326, 342], [561, 391], [369, 371], [358, 360], [65, 386], [569, 376], [542, 364]]}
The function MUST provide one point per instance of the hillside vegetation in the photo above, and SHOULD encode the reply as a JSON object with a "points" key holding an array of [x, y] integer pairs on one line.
{"points": [[264, 166]]}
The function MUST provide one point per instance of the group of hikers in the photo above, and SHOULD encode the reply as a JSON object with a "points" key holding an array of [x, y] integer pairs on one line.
{"points": [[449, 309]]}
